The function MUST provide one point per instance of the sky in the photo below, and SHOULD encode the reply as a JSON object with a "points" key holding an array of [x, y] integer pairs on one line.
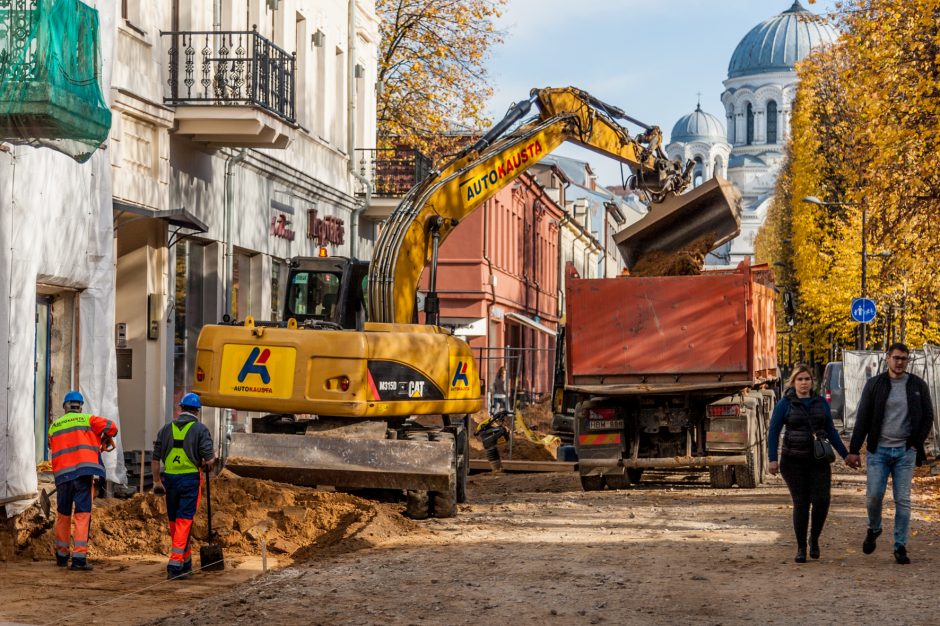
{"points": [[650, 58]]}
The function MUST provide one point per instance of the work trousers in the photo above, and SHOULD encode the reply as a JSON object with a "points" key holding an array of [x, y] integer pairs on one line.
{"points": [[76, 494], [809, 481], [182, 501]]}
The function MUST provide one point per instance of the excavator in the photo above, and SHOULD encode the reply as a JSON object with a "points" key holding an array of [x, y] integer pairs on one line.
{"points": [[354, 392]]}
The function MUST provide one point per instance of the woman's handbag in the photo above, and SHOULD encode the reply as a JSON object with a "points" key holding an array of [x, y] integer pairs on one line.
{"points": [[822, 449]]}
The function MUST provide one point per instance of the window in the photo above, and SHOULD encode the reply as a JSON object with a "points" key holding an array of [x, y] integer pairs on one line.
{"points": [[339, 112], [750, 124], [130, 12], [314, 294], [771, 122], [731, 124], [698, 177]]}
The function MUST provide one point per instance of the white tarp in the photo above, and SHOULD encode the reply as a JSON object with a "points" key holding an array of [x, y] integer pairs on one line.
{"points": [[860, 365], [932, 366], [55, 228]]}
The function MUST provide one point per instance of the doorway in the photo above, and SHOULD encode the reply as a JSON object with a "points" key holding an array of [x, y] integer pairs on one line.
{"points": [[42, 357]]}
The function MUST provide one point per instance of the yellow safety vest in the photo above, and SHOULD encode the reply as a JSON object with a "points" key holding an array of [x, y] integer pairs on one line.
{"points": [[177, 461]]}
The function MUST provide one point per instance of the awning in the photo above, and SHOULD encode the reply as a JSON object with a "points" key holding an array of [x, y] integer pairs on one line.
{"points": [[181, 218], [531, 323]]}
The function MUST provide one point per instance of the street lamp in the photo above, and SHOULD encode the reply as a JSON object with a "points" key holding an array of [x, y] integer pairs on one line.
{"points": [[865, 255]]}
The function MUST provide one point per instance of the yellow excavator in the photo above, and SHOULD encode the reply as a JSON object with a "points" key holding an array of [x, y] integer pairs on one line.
{"points": [[343, 380]]}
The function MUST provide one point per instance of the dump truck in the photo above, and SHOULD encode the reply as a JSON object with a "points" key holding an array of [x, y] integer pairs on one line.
{"points": [[672, 372], [347, 384]]}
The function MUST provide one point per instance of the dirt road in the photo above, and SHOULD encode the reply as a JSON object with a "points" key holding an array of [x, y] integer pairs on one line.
{"points": [[536, 549]]}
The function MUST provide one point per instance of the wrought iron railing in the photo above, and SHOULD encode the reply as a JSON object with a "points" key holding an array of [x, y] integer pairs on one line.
{"points": [[231, 68], [393, 171]]}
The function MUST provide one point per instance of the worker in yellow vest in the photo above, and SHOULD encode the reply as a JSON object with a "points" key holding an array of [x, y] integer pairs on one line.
{"points": [[184, 446]]}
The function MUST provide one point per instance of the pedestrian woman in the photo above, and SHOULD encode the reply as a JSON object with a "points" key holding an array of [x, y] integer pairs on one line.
{"points": [[800, 414]]}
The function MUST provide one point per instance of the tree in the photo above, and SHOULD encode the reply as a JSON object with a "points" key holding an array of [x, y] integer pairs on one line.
{"points": [[432, 74], [864, 134]]}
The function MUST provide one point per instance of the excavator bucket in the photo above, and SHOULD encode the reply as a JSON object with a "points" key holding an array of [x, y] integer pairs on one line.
{"points": [[706, 217], [341, 462]]}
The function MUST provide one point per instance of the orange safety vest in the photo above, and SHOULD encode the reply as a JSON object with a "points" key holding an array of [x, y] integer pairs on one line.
{"points": [[75, 442]]}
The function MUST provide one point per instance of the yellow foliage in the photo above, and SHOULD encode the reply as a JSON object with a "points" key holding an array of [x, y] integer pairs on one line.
{"points": [[432, 72], [864, 135]]}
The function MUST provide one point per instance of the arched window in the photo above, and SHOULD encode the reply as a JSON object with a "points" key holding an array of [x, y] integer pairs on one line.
{"points": [[731, 124], [750, 123], [698, 175], [771, 122]]}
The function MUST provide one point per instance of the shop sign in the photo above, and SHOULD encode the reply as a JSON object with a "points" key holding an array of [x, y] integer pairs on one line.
{"points": [[280, 227], [325, 230]]}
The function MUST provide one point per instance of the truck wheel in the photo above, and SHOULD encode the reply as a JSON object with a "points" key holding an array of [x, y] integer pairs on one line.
{"points": [[417, 504], [592, 483], [463, 463], [748, 476], [721, 476], [634, 474], [444, 503], [617, 481]]}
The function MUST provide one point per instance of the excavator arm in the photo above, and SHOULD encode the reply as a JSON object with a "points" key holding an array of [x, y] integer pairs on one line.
{"points": [[435, 207]]}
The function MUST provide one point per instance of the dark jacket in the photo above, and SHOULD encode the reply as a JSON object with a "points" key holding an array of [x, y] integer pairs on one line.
{"points": [[197, 444], [800, 416], [871, 414]]}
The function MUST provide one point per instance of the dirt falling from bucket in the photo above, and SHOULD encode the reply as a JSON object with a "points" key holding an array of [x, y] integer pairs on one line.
{"points": [[686, 262]]}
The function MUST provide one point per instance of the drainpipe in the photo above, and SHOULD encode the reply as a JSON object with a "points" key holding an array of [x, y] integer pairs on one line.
{"points": [[230, 164], [489, 307], [351, 133], [216, 15]]}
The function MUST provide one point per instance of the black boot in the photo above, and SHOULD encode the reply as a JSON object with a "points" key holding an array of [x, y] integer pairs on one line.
{"points": [[814, 547], [800, 554]]}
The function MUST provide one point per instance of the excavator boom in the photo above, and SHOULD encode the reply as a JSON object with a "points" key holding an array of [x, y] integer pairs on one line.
{"points": [[437, 205]]}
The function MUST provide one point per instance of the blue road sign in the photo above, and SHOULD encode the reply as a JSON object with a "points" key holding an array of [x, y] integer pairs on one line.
{"points": [[863, 310]]}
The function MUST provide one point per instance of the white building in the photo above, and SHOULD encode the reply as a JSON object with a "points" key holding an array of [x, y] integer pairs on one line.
{"points": [[232, 148], [758, 99]]}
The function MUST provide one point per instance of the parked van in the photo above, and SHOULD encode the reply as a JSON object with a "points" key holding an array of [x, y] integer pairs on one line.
{"points": [[832, 388]]}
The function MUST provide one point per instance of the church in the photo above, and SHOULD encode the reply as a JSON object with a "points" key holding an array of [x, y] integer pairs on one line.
{"points": [[749, 148]]}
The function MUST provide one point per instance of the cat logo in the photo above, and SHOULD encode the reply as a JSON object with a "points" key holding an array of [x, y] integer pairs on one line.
{"points": [[416, 389]]}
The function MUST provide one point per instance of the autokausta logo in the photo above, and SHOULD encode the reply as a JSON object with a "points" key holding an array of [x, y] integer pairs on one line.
{"points": [[460, 375], [255, 364]]}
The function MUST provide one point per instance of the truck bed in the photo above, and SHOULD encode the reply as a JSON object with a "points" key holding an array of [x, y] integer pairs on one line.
{"points": [[643, 335]]}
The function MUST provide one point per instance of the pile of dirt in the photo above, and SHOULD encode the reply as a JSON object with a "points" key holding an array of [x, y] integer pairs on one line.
{"points": [[296, 522], [688, 261]]}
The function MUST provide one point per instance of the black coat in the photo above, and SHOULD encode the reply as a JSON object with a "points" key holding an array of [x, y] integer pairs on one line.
{"points": [[871, 414]]}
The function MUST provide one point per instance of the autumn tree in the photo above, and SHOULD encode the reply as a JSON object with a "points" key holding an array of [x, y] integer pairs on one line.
{"points": [[864, 137], [432, 73]]}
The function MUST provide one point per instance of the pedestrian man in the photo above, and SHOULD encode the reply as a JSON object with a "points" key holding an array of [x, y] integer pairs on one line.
{"points": [[893, 420], [184, 446], [76, 441]]}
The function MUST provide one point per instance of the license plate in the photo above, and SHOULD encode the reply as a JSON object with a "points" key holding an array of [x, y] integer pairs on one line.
{"points": [[605, 424]]}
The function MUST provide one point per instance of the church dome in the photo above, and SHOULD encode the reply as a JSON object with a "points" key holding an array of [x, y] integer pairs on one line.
{"points": [[776, 45], [698, 126]]}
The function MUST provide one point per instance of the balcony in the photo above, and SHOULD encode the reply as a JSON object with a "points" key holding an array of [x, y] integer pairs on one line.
{"points": [[231, 88], [49, 71], [392, 172]]}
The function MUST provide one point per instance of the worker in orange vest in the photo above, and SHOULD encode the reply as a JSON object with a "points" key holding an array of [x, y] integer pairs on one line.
{"points": [[76, 441], [185, 447]]}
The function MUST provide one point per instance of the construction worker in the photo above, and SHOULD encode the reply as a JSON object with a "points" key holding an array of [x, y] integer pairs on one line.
{"points": [[185, 447], [76, 441]]}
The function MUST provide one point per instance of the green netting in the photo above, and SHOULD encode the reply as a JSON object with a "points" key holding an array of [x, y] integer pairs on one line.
{"points": [[49, 70]]}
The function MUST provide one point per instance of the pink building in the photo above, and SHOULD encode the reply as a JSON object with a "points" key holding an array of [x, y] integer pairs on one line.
{"points": [[498, 281]]}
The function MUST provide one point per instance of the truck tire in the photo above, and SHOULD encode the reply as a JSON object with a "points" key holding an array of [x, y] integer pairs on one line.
{"points": [[444, 503], [635, 474], [721, 476], [749, 476], [417, 504], [463, 464], [592, 483], [617, 481]]}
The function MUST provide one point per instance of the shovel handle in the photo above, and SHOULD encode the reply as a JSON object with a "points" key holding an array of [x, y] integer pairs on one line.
{"points": [[208, 505]]}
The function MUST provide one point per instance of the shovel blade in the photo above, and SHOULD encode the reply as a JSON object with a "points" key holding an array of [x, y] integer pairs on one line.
{"points": [[45, 503], [211, 558], [711, 210]]}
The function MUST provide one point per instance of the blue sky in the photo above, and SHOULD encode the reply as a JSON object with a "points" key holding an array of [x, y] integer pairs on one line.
{"points": [[648, 57]]}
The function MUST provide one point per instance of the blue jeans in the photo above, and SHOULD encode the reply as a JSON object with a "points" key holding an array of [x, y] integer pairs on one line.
{"points": [[899, 463]]}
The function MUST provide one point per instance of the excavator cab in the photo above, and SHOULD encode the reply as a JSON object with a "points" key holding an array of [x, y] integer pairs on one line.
{"points": [[327, 292]]}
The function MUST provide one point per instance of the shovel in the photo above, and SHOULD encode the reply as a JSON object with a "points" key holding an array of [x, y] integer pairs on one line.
{"points": [[45, 501], [210, 554]]}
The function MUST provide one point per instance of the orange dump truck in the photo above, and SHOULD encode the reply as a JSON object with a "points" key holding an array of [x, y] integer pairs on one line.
{"points": [[672, 372]]}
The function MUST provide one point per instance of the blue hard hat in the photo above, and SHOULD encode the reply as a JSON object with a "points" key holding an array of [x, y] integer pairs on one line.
{"points": [[74, 396], [191, 401]]}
